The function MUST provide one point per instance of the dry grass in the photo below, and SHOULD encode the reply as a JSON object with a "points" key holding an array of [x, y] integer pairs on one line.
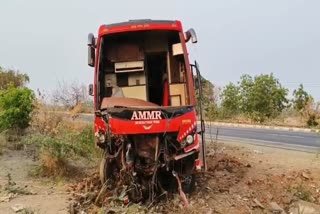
{"points": [[286, 120], [27, 211], [58, 140], [45, 120], [2, 144], [81, 108], [56, 167], [52, 165], [55, 153]]}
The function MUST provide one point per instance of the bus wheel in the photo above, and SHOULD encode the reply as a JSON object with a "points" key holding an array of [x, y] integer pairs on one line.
{"points": [[108, 171]]}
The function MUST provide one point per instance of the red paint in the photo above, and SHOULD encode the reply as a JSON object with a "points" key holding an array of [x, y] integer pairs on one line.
{"points": [[103, 30], [185, 130], [165, 101], [99, 125], [119, 126], [198, 164]]}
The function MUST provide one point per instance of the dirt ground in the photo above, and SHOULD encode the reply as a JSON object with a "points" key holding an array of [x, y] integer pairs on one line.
{"points": [[240, 179], [39, 195], [247, 178]]}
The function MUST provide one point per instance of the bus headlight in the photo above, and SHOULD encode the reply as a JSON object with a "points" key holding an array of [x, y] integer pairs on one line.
{"points": [[101, 137], [189, 139]]}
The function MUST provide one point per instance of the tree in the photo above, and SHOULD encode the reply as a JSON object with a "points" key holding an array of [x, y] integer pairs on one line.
{"points": [[245, 89], [266, 98], [12, 77], [304, 103], [230, 100], [212, 111], [70, 95], [209, 98], [311, 113], [301, 99], [260, 97]]}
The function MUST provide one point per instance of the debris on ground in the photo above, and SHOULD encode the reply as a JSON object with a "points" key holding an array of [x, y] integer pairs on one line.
{"points": [[258, 203], [17, 207], [230, 185], [275, 208], [11, 190], [8, 197], [304, 207]]}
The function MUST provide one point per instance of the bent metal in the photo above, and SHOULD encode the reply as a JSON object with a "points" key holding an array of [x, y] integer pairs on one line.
{"points": [[146, 115]]}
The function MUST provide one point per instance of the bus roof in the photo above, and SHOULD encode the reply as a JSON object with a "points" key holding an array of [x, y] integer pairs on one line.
{"points": [[140, 24]]}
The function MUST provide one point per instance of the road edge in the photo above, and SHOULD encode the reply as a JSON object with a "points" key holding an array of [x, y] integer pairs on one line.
{"points": [[283, 128]]}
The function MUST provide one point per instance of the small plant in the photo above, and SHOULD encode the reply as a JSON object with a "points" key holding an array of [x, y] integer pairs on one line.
{"points": [[27, 211], [44, 120], [303, 193], [52, 154], [71, 141], [11, 187], [311, 122], [52, 164]]}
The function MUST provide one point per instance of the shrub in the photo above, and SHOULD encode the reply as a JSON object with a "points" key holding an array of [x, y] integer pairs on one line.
{"points": [[312, 121], [16, 105], [303, 193], [55, 151]]}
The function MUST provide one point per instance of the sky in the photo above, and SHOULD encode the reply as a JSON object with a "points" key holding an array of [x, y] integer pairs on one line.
{"points": [[47, 39]]}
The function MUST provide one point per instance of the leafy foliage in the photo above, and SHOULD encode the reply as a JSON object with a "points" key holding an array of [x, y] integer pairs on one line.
{"points": [[16, 105], [305, 105], [260, 97], [56, 151], [13, 78], [301, 99], [209, 99], [66, 142], [16, 101], [230, 100]]}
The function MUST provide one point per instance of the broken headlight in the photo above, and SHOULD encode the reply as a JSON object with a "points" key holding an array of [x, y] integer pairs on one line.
{"points": [[100, 136]]}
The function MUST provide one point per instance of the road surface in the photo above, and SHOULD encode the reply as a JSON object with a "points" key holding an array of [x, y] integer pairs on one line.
{"points": [[294, 140]]}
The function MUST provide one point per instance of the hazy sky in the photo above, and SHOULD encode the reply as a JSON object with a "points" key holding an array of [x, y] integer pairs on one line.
{"points": [[47, 39]]}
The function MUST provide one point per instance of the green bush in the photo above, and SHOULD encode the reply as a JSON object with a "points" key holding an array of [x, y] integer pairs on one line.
{"points": [[81, 140], [56, 152], [16, 105], [66, 144]]}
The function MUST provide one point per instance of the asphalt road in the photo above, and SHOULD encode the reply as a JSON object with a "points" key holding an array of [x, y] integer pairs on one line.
{"points": [[293, 140], [290, 140]]}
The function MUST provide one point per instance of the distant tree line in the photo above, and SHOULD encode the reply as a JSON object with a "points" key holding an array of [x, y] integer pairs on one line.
{"points": [[258, 98]]}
